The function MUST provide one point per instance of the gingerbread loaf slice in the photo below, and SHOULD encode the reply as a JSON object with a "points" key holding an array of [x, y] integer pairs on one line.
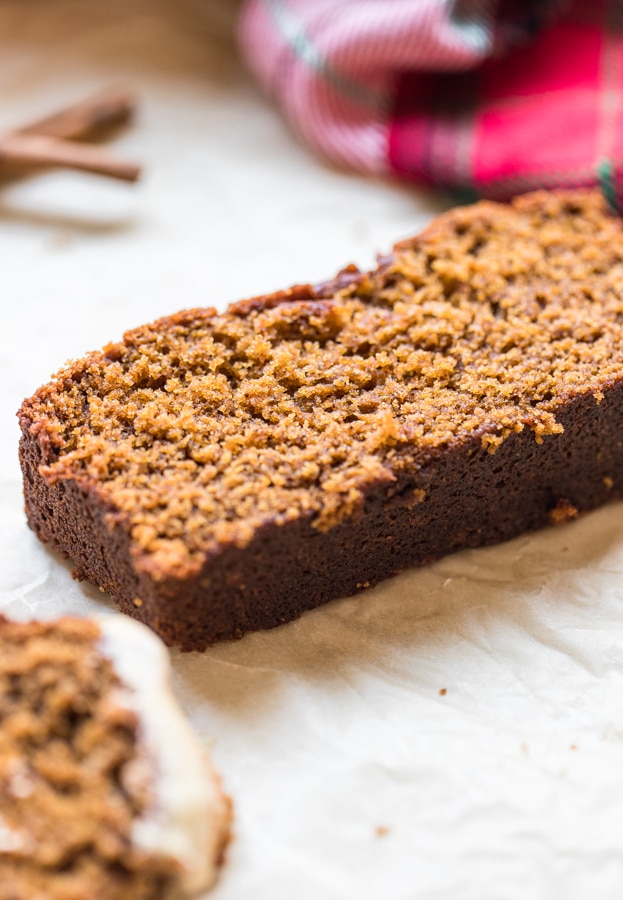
{"points": [[223, 473], [105, 792]]}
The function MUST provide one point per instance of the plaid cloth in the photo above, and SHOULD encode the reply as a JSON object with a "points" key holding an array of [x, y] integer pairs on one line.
{"points": [[484, 96]]}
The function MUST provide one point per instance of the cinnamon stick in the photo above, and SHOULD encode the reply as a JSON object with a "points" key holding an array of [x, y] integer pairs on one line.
{"points": [[54, 141], [106, 109], [39, 150]]}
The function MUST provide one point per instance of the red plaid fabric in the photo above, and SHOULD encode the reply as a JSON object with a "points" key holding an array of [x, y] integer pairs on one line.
{"points": [[488, 98]]}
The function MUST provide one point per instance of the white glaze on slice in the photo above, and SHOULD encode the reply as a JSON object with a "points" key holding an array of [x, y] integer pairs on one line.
{"points": [[189, 816]]}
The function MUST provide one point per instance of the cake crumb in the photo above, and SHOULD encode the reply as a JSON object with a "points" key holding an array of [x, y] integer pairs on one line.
{"points": [[443, 692], [562, 512]]}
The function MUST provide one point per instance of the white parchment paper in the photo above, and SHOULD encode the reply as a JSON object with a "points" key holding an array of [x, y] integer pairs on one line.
{"points": [[455, 734]]}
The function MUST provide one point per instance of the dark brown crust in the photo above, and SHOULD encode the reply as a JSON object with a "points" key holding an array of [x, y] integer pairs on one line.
{"points": [[473, 498], [323, 291]]}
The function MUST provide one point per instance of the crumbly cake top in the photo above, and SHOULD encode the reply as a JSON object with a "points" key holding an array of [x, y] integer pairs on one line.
{"points": [[68, 791], [201, 427]]}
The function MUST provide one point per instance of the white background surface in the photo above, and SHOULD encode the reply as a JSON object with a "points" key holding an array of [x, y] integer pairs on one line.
{"points": [[352, 776]]}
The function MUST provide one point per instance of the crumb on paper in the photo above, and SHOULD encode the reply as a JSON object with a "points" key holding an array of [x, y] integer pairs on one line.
{"points": [[443, 692], [61, 239], [381, 830]]}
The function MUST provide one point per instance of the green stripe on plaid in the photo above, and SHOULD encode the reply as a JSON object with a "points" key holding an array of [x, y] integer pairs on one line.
{"points": [[605, 171], [305, 49]]}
